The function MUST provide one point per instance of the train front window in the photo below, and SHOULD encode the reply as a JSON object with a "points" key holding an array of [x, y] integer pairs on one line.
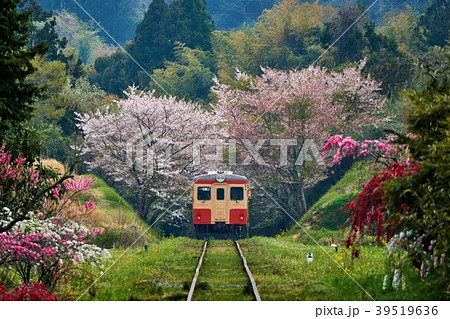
{"points": [[204, 193], [237, 193], [220, 195]]}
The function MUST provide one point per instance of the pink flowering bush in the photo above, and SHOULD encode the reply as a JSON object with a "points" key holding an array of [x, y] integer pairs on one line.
{"points": [[46, 249], [368, 210], [340, 147]]}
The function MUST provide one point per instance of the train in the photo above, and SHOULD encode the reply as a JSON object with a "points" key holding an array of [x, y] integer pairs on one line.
{"points": [[220, 205]]}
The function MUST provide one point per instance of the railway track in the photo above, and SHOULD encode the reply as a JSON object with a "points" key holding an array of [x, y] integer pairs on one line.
{"points": [[251, 280]]}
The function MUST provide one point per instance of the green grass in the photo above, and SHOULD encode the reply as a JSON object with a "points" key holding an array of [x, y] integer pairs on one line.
{"points": [[112, 208], [282, 272], [279, 266], [222, 276], [161, 273], [326, 213]]}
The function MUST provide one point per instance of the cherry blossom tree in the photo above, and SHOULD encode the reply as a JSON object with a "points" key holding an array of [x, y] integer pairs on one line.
{"points": [[296, 110], [146, 143]]}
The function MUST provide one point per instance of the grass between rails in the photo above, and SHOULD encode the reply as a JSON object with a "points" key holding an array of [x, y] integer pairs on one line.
{"points": [[222, 276], [279, 266]]}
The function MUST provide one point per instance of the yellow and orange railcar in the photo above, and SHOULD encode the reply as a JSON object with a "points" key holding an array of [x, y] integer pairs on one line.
{"points": [[220, 205]]}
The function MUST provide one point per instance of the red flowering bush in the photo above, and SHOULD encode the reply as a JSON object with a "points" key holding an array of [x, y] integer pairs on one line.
{"points": [[368, 209], [27, 292]]}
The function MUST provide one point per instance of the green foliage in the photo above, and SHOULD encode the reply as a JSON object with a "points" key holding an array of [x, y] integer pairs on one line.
{"points": [[118, 17], [50, 108], [419, 202], [152, 44], [53, 78], [81, 36], [190, 23], [112, 72], [16, 95], [43, 29], [53, 144], [190, 77], [285, 37], [434, 25], [401, 26], [184, 21]]}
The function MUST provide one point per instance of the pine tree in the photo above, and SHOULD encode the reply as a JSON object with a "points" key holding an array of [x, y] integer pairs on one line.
{"points": [[434, 25], [16, 95], [191, 24], [151, 45]]}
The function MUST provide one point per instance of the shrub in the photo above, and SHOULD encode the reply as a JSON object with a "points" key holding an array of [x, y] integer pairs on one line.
{"points": [[27, 292]]}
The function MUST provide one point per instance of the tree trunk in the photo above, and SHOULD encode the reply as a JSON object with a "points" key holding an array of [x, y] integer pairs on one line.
{"points": [[303, 199]]}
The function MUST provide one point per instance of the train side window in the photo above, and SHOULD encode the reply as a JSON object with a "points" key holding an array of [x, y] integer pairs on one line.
{"points": [[237, 193], [220, 195], [203, 193]]}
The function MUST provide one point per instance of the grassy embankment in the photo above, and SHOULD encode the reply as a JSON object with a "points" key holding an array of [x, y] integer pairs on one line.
{"points": [[122, 225], [324, 219]]}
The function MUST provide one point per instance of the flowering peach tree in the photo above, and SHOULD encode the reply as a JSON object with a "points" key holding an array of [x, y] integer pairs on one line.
{"points": [[47, 249], [29, 187], [368, 210]]}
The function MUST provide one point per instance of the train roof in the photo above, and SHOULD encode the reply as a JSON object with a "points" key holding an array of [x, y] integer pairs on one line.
{"points": [[223, 177]]}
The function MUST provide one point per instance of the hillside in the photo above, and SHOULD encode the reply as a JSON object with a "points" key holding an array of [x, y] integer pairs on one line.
{"points": [[112, 209], [326, 213], [121, 223], [120, 18]]}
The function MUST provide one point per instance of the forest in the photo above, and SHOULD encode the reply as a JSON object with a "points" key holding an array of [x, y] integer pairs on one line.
{"points": [[359, 91]]}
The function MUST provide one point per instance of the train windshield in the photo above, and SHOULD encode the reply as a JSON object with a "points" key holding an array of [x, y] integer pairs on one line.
{"points": [[220, 194], [237, 193], [204, 193]]}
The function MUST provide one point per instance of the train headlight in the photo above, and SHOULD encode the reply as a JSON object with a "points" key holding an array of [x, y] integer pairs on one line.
{"points": [[241, 217], [220, 178], [198, 217]]}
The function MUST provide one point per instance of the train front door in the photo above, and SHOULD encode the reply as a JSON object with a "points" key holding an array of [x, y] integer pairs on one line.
{"points": [[220, 209]]}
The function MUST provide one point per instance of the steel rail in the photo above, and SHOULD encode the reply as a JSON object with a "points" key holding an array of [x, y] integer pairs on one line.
{"points": [[249, 274], [197, 272]]}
